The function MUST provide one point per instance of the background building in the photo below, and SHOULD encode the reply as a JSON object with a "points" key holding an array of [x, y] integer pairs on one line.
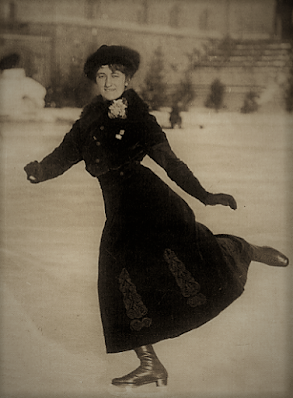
{"points": [[55, 37]]}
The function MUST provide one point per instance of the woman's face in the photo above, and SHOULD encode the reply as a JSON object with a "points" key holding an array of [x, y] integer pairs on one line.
{"points": [[111, 84]]}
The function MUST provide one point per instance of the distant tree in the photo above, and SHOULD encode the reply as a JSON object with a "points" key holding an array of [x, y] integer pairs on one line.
{"points": [[54, 96], [216, 96], [154, 87], [76, 88], [250, 104], [184, 92], [227, 46], [289, 93], [72, 90]]}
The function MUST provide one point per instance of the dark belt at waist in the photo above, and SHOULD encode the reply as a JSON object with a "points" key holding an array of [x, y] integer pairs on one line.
{"points": [[119, 175]]}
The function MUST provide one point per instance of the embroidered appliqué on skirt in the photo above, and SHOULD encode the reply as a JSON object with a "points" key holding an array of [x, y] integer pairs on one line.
{"points": [[135, 309], [187, 284]]}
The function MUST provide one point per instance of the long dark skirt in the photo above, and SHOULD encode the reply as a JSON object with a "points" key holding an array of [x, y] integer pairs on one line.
{"points": [[161, 273]]}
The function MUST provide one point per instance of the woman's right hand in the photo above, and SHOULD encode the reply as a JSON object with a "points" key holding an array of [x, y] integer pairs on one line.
{"points": [[34, 172]]}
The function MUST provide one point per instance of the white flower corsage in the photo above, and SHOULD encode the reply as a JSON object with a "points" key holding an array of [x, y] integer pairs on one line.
{"points": [[118, 109]]}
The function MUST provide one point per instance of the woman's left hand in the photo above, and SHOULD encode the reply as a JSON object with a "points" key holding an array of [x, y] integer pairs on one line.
{"points": [[223, 199]]}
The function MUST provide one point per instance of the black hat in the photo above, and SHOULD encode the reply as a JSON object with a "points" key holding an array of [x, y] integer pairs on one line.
{"points": [[109, 55]]}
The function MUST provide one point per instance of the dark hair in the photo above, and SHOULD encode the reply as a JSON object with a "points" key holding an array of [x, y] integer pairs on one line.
{"points": [[120, 58]]}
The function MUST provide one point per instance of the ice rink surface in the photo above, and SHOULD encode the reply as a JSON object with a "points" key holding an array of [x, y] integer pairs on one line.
{"points": [[51, 335]]}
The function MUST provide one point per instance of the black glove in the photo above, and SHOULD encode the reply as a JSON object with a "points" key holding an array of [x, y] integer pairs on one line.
{"points": [[223, 199], [34, 172]]}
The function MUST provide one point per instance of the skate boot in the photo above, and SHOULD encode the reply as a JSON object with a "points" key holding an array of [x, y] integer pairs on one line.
{"points": [[150, 370], [269, 256]]}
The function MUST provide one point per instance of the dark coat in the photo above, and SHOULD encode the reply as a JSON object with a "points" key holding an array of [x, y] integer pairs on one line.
{"points": [[161, 273], [93, 138]]}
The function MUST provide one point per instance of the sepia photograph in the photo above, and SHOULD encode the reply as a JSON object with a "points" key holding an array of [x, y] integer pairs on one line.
{"points": [[145, 198]]}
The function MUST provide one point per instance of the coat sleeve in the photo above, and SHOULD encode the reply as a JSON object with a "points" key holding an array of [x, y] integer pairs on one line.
{"points": [[63, 157], [159, 150]]}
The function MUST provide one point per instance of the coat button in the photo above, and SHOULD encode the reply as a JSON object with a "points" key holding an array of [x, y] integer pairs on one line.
{"points": [[102, 127], [98, 143]]}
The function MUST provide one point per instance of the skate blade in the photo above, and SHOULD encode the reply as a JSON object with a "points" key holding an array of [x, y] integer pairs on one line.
{"points": [[144, 391]]}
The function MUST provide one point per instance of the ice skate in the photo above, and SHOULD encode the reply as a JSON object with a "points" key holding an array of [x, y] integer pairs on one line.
{"points": [[269, 256], [150, 370]]}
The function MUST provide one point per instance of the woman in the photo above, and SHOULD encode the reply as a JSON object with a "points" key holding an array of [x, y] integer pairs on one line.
{"points": [[161, 273]]}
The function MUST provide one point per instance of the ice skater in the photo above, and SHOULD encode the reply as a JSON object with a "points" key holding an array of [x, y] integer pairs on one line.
{"points": [[161, 273], [175, 118]]}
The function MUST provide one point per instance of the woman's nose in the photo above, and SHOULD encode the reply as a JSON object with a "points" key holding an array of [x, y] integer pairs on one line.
{"points": [[108, 81]]}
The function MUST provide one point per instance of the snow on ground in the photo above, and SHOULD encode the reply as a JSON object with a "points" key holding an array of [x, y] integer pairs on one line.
{"points": [[51, 335]]}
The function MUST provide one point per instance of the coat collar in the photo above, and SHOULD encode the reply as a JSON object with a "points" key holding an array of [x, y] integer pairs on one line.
{"points": [[98, 108]]}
